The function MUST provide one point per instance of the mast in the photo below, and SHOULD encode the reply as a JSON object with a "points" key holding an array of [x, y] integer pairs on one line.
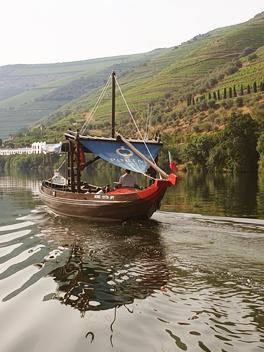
{"points": [[113, 104]]}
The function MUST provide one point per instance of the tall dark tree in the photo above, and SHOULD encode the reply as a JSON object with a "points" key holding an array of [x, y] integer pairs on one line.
{"points": [[235, 94], [248, 89]]}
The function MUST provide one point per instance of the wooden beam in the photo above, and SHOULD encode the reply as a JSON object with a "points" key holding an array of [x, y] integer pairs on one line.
{"points": [[155, 167]]}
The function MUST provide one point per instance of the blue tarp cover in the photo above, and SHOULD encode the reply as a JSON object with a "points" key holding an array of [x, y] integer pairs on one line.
{"points": [[118, 153]]}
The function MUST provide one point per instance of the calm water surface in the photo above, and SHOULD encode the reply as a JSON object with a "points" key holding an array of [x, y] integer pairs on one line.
{"points": [[179, 282]]}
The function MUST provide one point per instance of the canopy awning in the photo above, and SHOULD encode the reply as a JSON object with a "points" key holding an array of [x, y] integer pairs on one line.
{"points": [[119, 154]]}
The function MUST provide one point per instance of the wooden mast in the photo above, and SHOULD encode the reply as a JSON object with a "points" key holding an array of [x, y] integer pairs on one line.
{"points": [[113, 104]]}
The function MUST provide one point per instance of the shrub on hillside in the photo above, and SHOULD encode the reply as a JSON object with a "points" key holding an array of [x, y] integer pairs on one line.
{"points": [[252, 57], [239, 101], [211, 103], [199, 119], [195, 128], [202, 105], [218, 120], [212, 117], [223, 112], [229, 103], [247, 51], [205, 126], [223, 103], [224, 119]]}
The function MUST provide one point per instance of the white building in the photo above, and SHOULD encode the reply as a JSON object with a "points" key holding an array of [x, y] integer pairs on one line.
{"points": [[36, 148]]}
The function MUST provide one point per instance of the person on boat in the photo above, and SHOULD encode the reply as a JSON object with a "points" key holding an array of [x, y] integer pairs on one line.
{"points": [[127, 180], [152, 174]]}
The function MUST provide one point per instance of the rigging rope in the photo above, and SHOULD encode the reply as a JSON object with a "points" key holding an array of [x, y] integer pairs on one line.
{"points": [[150, 108], [134, 121], [61, 164], [88, 120]]}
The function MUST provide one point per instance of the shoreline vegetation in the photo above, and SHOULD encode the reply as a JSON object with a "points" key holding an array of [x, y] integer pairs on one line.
{"points": [[239, 147]]}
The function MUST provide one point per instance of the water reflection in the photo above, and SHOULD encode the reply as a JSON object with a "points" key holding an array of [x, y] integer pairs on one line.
{"points": [[106, 266], [178, 282], [95, 266], [238, 195]]}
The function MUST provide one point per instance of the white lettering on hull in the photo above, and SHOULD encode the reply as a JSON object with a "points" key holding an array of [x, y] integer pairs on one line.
{"points": [[103, 196]]}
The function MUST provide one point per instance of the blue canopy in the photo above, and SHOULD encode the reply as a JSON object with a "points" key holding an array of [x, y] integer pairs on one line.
{"points": [[118, 153]]}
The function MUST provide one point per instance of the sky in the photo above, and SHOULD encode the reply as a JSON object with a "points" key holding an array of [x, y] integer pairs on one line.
{"points": [[51, 31]]}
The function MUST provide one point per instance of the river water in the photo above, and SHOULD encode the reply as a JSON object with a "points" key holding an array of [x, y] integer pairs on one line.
{"points": [[189, 279]]}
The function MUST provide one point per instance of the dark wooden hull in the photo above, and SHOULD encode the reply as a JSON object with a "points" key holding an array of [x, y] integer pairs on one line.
{"points": [[118, 205]]}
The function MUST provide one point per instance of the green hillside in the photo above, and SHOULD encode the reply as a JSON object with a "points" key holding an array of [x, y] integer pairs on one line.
{"points": [[173, 80], [29, 92], [206, 63]]}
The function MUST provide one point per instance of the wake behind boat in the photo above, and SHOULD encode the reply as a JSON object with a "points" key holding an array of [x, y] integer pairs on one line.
{"points": [[72, 197]]}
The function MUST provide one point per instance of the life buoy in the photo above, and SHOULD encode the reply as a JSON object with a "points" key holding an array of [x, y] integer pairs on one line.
{"points": [[81, 159]]}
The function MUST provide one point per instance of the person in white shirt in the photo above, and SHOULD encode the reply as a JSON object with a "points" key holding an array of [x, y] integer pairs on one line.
{"points": [[127, 180]]}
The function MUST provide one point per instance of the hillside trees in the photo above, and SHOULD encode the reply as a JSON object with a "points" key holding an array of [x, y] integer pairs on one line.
{"points": [[233, 149], [197, 149], [236, 149], [260, 149]]}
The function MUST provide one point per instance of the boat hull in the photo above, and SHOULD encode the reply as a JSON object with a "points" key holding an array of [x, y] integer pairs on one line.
{"points": [[118, 205]]}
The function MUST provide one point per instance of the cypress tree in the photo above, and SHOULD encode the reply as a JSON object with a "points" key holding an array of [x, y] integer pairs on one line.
{"points": [[215, 96], [248, 89], [235, 94], [209, 96], [255, 87], [218, 94], [230, 92], [241, 90], [225, 93]]}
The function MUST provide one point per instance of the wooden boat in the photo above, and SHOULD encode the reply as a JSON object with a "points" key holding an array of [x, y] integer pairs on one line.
{"points": [[72, 197]]}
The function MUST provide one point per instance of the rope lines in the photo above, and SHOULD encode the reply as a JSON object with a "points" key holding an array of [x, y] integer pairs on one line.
{"points": [[132, 117], [91, 115], [61, 164], [150, 108]]}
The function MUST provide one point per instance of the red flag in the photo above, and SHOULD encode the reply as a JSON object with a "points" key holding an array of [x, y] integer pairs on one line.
{"points": [[172, 164]]}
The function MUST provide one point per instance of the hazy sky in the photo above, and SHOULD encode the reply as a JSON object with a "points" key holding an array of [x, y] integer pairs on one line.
{"points": [[49, 31]]}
